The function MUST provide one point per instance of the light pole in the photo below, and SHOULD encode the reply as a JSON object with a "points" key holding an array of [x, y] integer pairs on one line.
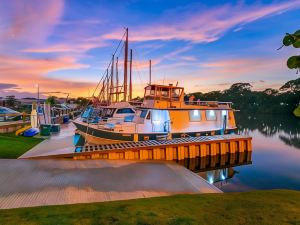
{"points": [[38, 92]]}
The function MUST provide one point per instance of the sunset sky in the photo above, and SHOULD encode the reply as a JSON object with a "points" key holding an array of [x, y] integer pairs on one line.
{"points": [[204, 45]]}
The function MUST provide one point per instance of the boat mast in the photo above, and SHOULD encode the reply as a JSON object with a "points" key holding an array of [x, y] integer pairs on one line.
{"points": [[112, 79], [107, 87], [125, 66], [150, 71], [130, 76], [117, 80]]}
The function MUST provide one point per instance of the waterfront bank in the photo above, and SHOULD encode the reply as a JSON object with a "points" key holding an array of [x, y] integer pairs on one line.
{"points": [[258, 207]]}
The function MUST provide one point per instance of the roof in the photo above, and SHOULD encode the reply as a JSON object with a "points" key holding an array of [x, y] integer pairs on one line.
{"points": [[5, 110], [164, 86]]}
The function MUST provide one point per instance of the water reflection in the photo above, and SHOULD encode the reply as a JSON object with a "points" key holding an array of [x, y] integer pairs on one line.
{"points": [[286, 127], [217, 169]]}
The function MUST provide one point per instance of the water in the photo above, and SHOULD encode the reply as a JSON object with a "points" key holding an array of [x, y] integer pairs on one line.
{"points": [[273, 164]]}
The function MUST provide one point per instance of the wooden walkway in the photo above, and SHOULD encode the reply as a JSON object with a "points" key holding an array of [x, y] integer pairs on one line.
{"points": [[28, 183]]}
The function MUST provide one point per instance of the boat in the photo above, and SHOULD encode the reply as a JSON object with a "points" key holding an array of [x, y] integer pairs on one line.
{"points": [[162, 115], [31, 132], [7, 114]]}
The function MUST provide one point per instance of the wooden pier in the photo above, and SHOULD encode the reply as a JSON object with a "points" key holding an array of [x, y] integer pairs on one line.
{"points": [[175, 149]]}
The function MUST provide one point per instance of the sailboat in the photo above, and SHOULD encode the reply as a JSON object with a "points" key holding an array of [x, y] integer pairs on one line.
{"points": [[163, 114]]}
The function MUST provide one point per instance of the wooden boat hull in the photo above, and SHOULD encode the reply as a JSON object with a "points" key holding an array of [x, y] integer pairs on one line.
{"points": [[100, 136]]}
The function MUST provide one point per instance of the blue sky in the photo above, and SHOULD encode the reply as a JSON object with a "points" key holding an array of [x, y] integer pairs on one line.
{"points": [[204, 45]]}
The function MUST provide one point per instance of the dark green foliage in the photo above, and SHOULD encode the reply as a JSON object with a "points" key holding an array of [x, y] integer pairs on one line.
{"points": [[52, 100], [293, 62], [82, 102], [258, 207], [294, 40], [11, 101], [292, 85], [272, 101]]}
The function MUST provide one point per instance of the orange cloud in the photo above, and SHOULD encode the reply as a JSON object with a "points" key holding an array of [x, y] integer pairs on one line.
{"points": [[27, 72]]}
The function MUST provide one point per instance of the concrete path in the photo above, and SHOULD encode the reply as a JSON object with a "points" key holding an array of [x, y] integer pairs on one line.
{"points": [[27, 183], [56, 144]]}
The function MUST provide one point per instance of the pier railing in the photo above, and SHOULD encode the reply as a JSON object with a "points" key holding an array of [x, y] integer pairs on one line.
{"points": [[209, 103]]}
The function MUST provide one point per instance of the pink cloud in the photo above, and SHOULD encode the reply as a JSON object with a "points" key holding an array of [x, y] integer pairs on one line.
{"points": [[71, 47], [29, 21]]}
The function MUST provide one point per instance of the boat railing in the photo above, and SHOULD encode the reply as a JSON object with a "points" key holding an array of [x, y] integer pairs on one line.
{"points": [[209, 103]]}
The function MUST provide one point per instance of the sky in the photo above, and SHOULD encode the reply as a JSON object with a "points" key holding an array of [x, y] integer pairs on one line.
{"points": [[65, 45]]}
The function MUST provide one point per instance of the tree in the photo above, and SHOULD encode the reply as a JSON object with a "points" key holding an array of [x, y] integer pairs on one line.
{"points": [[292, 85], [270, 91], [52, 100], [240, 87], [292, 39], [11, 101], [82, 102]]}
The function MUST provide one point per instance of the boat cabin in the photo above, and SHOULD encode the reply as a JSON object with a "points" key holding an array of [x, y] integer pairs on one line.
{"points": [[163, 96]]}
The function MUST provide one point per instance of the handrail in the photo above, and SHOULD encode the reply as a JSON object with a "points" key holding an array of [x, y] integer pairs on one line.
{"points": [[207, 103]]}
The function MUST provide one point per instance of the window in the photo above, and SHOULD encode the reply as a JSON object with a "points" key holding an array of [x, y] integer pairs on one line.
{"points": [[108, 112], [125, 110], [143, 113], [175, 93], [211, 115], [195, 115], [224, 113], [149, 116], [165, 92]]}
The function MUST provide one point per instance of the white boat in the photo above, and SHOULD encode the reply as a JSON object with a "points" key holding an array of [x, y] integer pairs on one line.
{"points": [[163, 115]]}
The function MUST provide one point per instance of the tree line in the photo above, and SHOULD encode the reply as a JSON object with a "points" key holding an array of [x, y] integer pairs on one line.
{"points": [[270, 101]]}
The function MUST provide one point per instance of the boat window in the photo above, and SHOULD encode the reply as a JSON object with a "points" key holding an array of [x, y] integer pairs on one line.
{"points": [[108, 112], [165, 92], [224, 113], [125, 110], [175, 93], [150, 92], [143, 113], [149, 116], [211, 115], [195, 115]]}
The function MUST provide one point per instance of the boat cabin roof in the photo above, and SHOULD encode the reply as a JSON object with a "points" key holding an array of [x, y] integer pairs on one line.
{"points": [[164, 92]]}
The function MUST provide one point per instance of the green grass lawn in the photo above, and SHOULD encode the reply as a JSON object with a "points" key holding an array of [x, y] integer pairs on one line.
{"points": [[12, 146], [258, 207]]}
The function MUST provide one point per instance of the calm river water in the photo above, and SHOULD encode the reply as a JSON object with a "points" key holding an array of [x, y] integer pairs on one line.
{"points": [[273, 164]]}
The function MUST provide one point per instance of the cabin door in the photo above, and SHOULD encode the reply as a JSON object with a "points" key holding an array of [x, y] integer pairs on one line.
{"points": [[160, 121]]}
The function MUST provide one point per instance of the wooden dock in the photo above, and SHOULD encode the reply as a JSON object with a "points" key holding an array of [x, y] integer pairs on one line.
{"points": [[175, 149]]}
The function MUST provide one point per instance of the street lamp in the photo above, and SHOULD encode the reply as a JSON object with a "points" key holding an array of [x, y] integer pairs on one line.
{"points": [[38, 92]]}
